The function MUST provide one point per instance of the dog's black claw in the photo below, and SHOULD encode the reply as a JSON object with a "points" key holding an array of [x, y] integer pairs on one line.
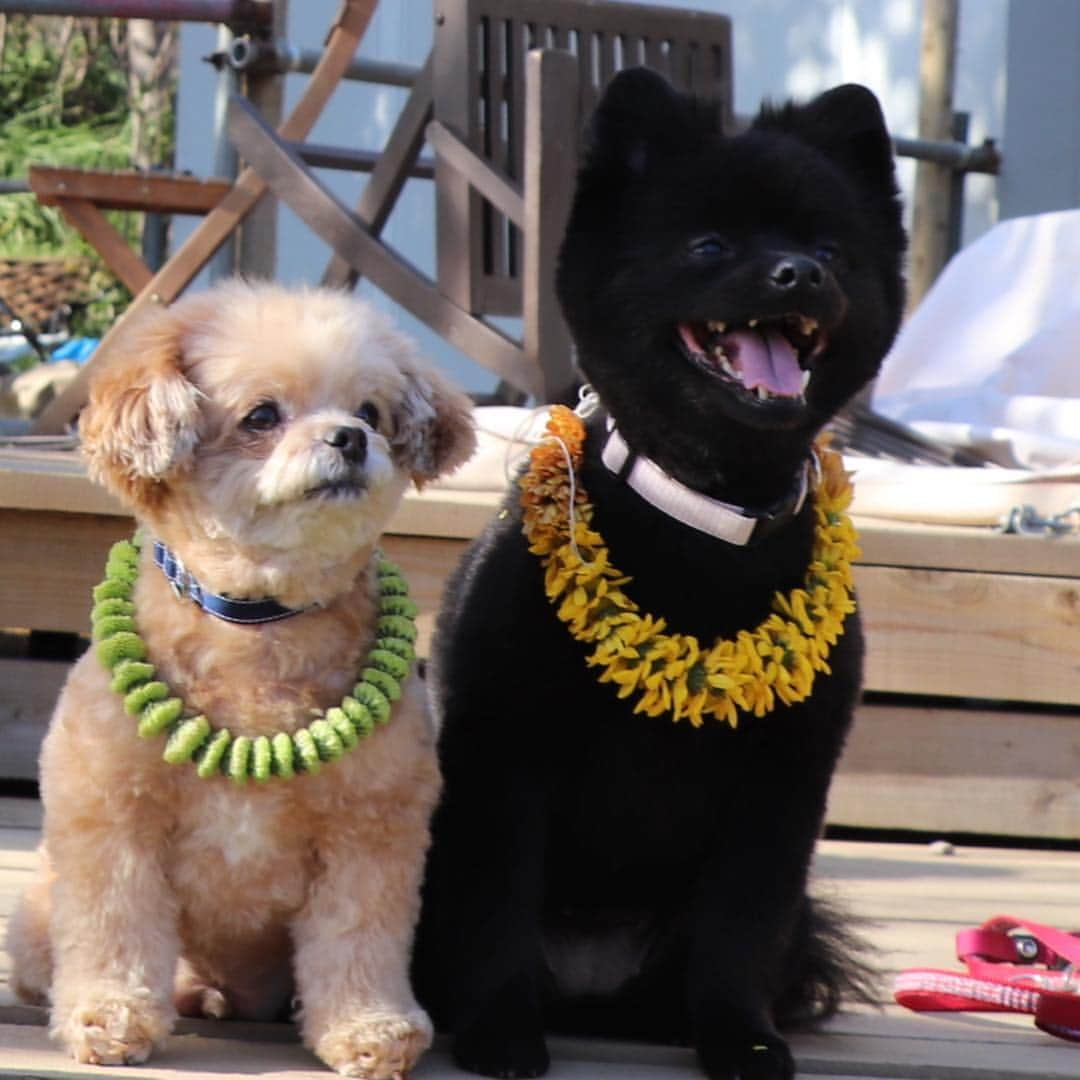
{"points": [[491, 1054], [767, 1058]]}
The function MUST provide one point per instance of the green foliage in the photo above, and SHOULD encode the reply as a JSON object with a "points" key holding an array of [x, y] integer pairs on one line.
{"points": [[110, 298], [45, 82], [63, 102]]}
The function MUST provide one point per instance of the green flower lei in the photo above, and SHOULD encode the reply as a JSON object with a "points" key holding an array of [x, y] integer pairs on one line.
{"points": [[214, 751]]}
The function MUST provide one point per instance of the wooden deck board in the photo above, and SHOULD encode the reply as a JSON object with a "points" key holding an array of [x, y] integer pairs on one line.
{"points": [[913, 901]]}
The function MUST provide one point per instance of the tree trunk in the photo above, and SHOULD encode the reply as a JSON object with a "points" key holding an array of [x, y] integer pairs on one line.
{"points": [[151, 54], [151, 62]]}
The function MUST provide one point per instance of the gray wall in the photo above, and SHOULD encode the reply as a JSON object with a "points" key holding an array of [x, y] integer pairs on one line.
{"points": [[783, 48], [1041, 170]]}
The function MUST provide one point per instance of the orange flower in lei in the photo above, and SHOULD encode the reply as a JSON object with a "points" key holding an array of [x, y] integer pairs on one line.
{"points": [[675, 673]]}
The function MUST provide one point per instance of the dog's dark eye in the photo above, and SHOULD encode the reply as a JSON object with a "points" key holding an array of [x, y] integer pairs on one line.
{"points": [[369, 413], [711, 246], [827, 252], [262, 418]]}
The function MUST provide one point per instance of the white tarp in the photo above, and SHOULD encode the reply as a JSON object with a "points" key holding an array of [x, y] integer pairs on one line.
{"points": [[991, 357]]}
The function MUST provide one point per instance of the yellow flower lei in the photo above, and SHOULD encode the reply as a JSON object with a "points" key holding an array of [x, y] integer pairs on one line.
{"points": [[675, 673]]}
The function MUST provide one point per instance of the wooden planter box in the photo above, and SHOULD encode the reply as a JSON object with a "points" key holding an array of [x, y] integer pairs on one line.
{"points": [[970, 722]]}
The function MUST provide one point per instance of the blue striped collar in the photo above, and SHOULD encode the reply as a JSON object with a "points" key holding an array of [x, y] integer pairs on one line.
{"points": [[244, 612]]}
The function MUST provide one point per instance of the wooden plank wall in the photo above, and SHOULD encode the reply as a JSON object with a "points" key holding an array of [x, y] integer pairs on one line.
{"points": [[980, 670], [997, 636]]}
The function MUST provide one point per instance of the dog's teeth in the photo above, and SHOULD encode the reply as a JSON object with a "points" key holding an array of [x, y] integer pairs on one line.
{"points": [[716, 326], [762, 393], [752, 323], [805, 380]]}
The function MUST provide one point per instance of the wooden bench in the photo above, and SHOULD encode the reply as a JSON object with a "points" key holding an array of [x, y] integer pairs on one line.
{"points": [[970, 723]]}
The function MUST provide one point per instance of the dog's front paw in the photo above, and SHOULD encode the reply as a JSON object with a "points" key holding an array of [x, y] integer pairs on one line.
{"points": [[505, 1035], [501, 1051], [113, 1030], [376, 1045], [762, 1058]]}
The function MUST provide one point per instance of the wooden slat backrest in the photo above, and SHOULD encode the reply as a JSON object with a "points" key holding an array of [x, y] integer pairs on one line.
{"points": [[479, 71]]}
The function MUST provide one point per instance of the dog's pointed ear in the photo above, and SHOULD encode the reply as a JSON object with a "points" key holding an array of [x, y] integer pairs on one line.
{"points": [[847, 125], [434, 431], [141, 424], [639, 118]]}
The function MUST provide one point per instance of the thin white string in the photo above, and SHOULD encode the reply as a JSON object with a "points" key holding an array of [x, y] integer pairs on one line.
{"points": [[513, 455], [572, 515], [588, 403]]}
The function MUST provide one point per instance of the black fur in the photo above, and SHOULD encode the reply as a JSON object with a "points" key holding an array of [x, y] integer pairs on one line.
{"points": [[599, 872]]}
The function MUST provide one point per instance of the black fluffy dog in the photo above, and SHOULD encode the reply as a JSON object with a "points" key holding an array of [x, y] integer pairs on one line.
{"points": [[603, 872]]}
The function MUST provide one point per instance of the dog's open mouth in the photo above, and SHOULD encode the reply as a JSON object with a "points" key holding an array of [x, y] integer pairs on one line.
{"points": [[766, 358]]}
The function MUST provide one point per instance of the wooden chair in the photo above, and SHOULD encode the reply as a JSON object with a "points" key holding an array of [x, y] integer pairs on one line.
{"points": [[82, 194], [226, 214], [502, 101], [480, 96], [490, 262]]}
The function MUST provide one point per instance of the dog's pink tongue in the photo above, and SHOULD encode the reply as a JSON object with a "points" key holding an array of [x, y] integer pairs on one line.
{"points": [[766, 358]]}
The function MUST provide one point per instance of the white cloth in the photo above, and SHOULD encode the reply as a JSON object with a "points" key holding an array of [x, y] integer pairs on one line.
{"points": [[991, 357], [949, 495], [883, 489]]}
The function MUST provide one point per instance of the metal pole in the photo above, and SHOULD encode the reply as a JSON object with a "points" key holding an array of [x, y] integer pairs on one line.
{"points": [[248, 53], [961, 122], [242, 14], [956, 155], [226, 160], [256, 250]]}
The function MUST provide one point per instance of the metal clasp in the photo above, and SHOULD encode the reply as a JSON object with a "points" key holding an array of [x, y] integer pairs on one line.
{"points": [[1027, 521], [588, 401], [1063, 980]]}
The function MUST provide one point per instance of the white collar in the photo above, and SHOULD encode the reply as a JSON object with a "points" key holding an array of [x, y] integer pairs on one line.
{"points": [[732, 524]]}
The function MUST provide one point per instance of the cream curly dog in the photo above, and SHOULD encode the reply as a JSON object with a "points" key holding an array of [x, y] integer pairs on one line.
{"points": [[264, 436]]}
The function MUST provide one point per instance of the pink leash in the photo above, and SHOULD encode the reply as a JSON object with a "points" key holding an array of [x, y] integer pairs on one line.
{"points": [[1013, 965]]}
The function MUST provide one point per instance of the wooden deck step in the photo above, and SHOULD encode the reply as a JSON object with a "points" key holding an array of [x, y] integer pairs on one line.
{"points": [[911, 1050], [914, 900]]}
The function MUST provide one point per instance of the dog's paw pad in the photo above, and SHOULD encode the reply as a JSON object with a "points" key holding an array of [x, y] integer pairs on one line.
{"points": [[380, 1046], [116, 1031]]}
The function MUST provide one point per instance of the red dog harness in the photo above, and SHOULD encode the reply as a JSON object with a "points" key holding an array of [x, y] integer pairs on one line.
{"points": [[1013, 965]]}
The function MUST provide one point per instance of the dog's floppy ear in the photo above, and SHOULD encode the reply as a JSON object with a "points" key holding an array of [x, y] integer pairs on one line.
{"points": [[434, 431], [141, 424]]}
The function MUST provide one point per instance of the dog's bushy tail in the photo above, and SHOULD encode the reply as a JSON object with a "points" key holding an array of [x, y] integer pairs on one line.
{"points": [[832, 965]]}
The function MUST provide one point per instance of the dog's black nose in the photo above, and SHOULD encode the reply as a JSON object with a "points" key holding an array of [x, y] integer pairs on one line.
{"points": [[351, 441], [794, 270]]}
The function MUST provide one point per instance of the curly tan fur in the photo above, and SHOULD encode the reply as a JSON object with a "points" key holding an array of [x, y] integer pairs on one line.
{"points": [[161, 892]]}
